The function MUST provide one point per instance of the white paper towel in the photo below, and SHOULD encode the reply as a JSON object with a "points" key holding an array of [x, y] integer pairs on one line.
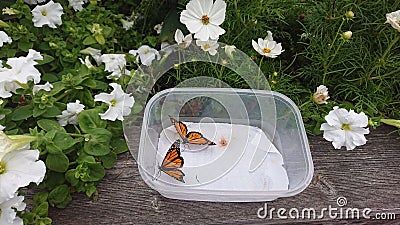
{"points": [[227, 165]]}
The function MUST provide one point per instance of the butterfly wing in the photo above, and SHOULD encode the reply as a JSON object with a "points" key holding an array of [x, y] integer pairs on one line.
{"points": [[173, 161], [198, 139], [180, 127]]}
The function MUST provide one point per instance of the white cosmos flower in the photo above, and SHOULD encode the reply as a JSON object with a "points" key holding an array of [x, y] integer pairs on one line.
{"points": [[209, 46], [8, 215], [119, 103], [47, 87], [145, 54], [70, 115], [203, 18], [77, 4], [18, 168], [267, 47], [183, 41], [34, 2], [393, 19], [4, 38], [49, 14], [345, 128], [115, 63], [321, 95]]}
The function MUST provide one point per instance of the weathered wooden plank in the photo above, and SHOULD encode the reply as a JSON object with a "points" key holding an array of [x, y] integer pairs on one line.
{"points": [[368, 177]]}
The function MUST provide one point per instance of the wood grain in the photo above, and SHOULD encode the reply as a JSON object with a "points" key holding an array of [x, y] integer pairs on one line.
{"points": [[368, 176]]}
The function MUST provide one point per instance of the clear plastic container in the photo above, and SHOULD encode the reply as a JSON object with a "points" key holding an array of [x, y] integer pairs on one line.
{"points": [[271, 113]]}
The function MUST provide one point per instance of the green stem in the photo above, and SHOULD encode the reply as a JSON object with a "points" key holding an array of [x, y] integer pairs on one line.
{"points": [[396, 39], [326, 65]]}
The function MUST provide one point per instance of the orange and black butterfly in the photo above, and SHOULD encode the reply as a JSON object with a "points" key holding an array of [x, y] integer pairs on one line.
{"points": [[173, 161], [192, 137]]}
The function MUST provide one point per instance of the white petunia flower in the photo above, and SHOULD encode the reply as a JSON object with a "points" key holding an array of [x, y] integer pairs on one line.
{"points": [[126, 24], [4, 38], [229, 49], [209, 46], [77, 4], [34, 2], [18, 168], [183, 41], [321, 95], [203, 18], [47, 87], [8, 215], [87, 62], [158, 28], [145, 54], [267, 47], [115, 63], [345, 128], [49, 14], [119, 103], [22, 70], [95, 53], [70, 115], [393, 19]]}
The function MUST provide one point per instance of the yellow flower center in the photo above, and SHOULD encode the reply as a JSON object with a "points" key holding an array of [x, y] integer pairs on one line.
{"points": [[44, 13], [346, 127], [2, 167], [266, 50], [205, 19], [206, 46], [113, 102]]}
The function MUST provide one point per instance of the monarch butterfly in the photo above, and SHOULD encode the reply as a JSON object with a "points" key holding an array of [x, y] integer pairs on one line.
{"points": [[172, 162], [192, 137]]}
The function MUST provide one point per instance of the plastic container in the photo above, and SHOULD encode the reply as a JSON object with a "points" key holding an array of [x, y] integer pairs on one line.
{"points": [[272, 113]]}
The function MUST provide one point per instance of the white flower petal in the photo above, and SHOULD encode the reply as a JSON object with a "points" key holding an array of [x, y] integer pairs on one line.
{"points": [[218, 11]]}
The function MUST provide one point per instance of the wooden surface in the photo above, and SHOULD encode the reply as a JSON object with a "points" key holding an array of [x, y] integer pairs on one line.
{"points": [[368, 177]]}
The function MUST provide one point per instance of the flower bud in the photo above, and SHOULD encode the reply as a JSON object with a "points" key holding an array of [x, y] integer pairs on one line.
{"points": [[347, 35], [349, 15]]}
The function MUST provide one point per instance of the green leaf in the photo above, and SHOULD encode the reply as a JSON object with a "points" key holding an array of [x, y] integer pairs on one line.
{"points": [[59, 194], [96, 172], [100, 39], [42, 209], [90, 119], [137, 108], [53, 149], [52, 112], [171, 23], [70, 177], [90, 190], [37, 111], [40, 197], [96, 148], [89, 41], [119, 146], [57, 162], [64, 140], [108, 160], [25, 46], [46, 59], [49, 125], [83, 157], [85, 96], [54, 179], [23, 112]]}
